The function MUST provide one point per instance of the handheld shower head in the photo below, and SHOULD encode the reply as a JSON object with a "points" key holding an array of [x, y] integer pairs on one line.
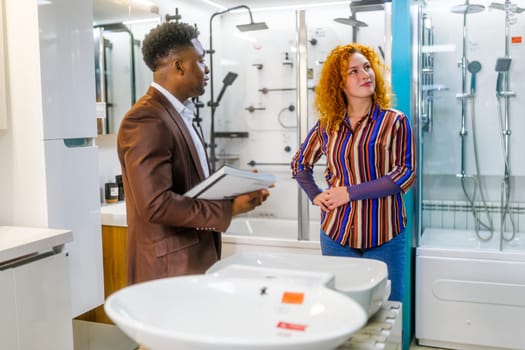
{"points": [[473, 67], [229, 78], [227, 81], [502, 66]]}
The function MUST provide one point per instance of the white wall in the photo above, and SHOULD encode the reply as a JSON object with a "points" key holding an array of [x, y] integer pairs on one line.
{"points": [[21, 152], [269, 141], [46, 181]]}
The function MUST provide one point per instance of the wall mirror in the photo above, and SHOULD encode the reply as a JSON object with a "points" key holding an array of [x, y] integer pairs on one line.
{"points": [[118, 29]]}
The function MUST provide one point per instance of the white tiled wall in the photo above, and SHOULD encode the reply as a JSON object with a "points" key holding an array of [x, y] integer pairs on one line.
{"points": [[458, 215]]}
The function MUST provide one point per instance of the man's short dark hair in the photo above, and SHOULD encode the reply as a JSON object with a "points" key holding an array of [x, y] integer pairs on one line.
{"points": [[164, 38]]}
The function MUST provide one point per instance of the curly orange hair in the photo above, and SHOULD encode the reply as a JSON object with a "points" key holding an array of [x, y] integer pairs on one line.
{"points": [[330, 100]]}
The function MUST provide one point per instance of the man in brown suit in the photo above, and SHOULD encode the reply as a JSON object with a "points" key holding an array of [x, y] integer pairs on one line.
{"points": [[162, 157]]}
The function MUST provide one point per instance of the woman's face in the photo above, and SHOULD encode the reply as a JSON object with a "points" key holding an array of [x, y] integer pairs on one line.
{"points": [[360, 79]]}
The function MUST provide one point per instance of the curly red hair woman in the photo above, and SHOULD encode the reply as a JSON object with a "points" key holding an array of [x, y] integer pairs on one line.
{"points": [[330, 100], [369, 151]]}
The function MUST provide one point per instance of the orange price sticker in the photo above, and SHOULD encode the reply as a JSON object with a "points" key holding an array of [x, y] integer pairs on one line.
{"points": [[292, 298], [516, 39]]}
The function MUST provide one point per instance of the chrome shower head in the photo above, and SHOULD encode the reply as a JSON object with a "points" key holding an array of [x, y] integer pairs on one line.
{"points": [[503, 7], [351, 22], [252, 26], [467, 8], [367, 5]]}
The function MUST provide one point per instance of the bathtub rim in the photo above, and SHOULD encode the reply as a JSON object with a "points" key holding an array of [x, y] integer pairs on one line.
{"points": [[269, 241], [436, 250]]}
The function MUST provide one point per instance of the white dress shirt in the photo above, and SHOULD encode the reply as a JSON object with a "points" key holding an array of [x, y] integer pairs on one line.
{"points": [[186, 111]]}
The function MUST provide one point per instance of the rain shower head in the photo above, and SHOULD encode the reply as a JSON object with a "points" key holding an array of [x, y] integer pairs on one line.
{"points": [[367, 5], [467, 8], [503, 7], [351, 22], [252, 26]]}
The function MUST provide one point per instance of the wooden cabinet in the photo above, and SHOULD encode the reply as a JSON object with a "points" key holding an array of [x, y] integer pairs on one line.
{"points": [[115, 274]]}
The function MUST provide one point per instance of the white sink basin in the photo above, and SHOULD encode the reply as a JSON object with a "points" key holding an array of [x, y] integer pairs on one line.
{"points": [[224, 313], [364, 280]]}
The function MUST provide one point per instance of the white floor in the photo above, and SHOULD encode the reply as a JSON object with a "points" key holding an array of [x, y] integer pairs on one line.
{"points": [[99, 336]]}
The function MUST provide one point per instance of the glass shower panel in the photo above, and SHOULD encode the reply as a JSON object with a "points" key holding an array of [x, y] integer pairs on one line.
{"points": [[121, 74], [256, 123], [470, 96]]}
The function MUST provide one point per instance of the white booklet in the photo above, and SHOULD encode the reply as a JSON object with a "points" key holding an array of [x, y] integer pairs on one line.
{"points": [[229, 182]]}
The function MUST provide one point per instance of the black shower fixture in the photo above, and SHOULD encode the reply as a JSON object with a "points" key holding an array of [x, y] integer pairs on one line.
{"points": [[230, 77], [367, 5], [360, 6], [252, 26]]}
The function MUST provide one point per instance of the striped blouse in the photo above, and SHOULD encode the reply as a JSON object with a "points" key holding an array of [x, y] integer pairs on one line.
{"points": [[382, 145]]}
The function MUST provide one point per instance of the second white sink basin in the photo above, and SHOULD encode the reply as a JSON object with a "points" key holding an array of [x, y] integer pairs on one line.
{"points": [[364, 280], [206, 312]]}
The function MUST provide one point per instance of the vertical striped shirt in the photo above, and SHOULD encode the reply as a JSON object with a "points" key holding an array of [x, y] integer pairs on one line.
{"points": [[382, 145]]}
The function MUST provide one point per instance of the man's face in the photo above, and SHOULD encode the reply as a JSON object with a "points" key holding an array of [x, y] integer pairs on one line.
{"points": [[195, 69]]}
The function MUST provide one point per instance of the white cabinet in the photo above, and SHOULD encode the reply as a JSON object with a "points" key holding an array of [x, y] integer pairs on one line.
{"points": [[67, 68], [35, 294], [8, 306], [36, 305], [73, 202]]}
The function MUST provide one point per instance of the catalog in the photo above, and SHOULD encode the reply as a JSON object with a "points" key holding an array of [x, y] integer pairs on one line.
{"points": [[229, 182]]}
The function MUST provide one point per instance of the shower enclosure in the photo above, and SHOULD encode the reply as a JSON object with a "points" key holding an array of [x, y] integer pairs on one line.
{"points": [[267, 110], [470, 258]]}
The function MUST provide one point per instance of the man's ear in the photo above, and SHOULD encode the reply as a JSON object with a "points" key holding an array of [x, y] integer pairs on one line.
{"points": [[179, 67]]}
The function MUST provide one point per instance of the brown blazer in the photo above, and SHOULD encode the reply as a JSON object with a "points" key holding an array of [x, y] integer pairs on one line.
{"points": [[168, 234]]}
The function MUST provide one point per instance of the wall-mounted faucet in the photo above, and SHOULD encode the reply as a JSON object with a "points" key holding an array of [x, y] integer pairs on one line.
{"points": [[252, 109]]}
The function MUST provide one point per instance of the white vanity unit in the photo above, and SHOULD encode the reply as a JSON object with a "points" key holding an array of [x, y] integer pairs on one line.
{"points": [[35, 293]]}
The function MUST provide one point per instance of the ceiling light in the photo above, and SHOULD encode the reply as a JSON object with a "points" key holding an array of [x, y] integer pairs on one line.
{"points": [[214, 4]]}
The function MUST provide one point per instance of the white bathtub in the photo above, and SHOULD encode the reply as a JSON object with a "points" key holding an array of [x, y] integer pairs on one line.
{"points": [[469, 294], [268, 234]]}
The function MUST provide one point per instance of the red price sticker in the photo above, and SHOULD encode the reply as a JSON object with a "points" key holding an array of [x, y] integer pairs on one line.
{"points": [[291, 326]]}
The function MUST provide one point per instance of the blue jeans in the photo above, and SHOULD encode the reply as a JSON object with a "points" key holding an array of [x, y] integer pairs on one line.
{"points": [[392, 253]]}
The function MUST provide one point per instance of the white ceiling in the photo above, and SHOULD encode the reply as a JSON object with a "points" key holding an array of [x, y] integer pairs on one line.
{"points": [[110, 11], [113, 11], [264, 3]]}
